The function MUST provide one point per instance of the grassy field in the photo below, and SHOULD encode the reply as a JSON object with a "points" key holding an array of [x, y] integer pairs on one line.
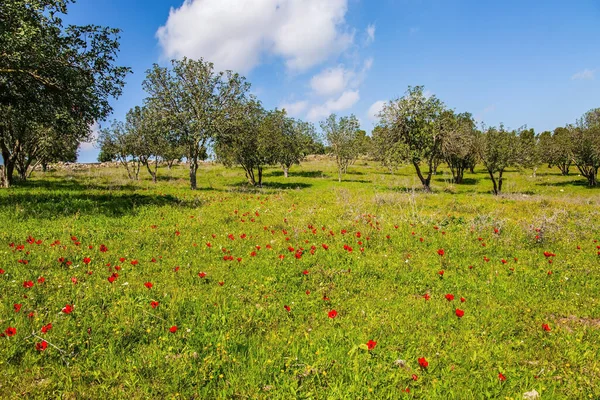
{"points": [[307, 288]]}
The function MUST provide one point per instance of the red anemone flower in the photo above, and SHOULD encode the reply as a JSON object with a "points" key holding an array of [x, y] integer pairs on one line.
{"points": [[287, 308], [332, 314], [41, 346], [148, 285], [173, 329], [546, 327], [371, 344], [10, 331], [67, 309], [154, 304], [459, 313], [501, 377], [449, 297], [423, 362]]}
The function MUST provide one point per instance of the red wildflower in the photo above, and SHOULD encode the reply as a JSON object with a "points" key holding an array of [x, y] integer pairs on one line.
{"points": [[46, 328], [68, 309], [501, 377], [441, 272], [154, 304], [332, 314], [414, 377], [423, 362], [148, 285], [173, 329], [371, 344], [305, 272], [2, 271], [459, 313], [74, 280], [546, 327], [134, 262], [103, 248], [325, 246], [17, 307], [10, 331], [287, 308], [87, 260], [307, 292], [426, 296], [41, 346], [28, 284], [441, 252], [462, 299], [449, 297], [221, 283]]}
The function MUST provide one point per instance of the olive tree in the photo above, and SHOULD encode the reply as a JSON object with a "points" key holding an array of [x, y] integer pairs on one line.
{"points": [[414, 121], [345, 139], [59, 78], [459, 143], [195, 102], [585, 138], [497, 150]]}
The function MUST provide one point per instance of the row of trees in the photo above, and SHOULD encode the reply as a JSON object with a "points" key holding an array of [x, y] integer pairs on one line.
{"points": [[191, 109], [420, 130], [55, 82]]}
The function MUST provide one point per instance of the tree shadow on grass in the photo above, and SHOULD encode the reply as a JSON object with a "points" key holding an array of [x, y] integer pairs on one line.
{"points": [[245, 187], [112, 204], [465, 181], [578, 183], [303, 174], [70, 185]]}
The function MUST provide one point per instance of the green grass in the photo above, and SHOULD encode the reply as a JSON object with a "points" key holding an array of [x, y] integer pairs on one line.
{"points": [[235, 339]]}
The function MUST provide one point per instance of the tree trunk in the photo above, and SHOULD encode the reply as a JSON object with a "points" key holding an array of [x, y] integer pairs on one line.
{"points": [[340, 174], [460, 173], [424, 181], [500, 180], [564, 169], [285, 171], [535, 172], [44, 167], [493, 182], [193, 170], [260, 172]]}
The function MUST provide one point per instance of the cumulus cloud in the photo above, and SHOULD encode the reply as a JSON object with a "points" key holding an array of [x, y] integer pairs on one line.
{"points": [[331, 81], [235, 34], [295, 109], [374, 110], [343, 102], [586, 74]]}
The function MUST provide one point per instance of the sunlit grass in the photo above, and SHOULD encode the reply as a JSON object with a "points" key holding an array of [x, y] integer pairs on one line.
{"points": [[236, 339]]}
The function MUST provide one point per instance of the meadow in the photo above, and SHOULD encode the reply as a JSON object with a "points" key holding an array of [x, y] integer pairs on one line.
{"points": [[306, 288]]}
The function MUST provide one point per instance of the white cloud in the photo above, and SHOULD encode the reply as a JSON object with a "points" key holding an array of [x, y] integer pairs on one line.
{"points": [[89, 144], [375, 109], [331, 81], [370, 33], [586, 74], [295, 109], [235, 34], [345, 101]]}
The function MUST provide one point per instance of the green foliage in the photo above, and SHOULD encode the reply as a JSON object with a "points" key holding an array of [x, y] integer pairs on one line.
{"points": [[459, 143], [497, 149], [415, 121], [195, 103], [585, 138], [53, 79], [346, 140]]}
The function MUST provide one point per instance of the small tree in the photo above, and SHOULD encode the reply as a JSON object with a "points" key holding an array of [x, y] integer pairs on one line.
{"points": [[529, 150], [557, 149], [585, 136], [497, 149], [414, 121], [115, 144], [383, 149], [459, 148], [345, 139], [242, 141]]}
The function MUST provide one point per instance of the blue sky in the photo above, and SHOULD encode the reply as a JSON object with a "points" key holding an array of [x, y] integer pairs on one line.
{"points": [[517, 62]]}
